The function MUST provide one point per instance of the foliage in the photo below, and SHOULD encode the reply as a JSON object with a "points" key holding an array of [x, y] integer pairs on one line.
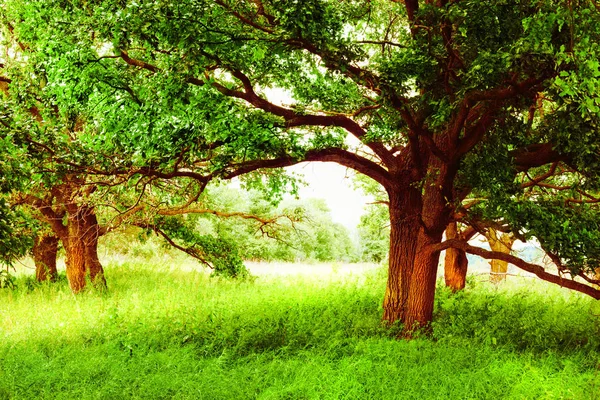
{"points": [[253, 229], [374, 225], [15, 239], [160, 334], [7, 281], [374, 233]]}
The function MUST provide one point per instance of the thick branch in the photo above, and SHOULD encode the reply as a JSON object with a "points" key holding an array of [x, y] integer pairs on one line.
{"points": [[340, 156], [294, 119], [538, 270], [536, 155], [49, 215], [475, 133]]}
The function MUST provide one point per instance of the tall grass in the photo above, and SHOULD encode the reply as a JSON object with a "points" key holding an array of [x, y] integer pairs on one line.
{"points": [[174, 334]]}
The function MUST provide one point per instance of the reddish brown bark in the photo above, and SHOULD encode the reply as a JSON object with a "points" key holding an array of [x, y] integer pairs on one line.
{"points": [[434, 218], [455, 263], [419, 307], [92, 262], [404, 227], [45, 248], [79, 231], [75, 263]]}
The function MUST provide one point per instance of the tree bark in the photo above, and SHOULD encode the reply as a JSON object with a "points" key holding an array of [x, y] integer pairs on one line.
{"points": [[45, 248], [404, 227], [434, 217], [92, 262], [74, 251], [455, 263], [502, 243], [81, 247], [412, 274], [419, 308]]}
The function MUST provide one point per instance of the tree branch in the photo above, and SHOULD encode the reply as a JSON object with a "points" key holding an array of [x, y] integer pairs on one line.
{"points": [[340, 156], [535, 269], [536, 155]]}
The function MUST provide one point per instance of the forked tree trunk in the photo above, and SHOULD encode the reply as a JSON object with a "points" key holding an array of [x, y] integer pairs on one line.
{"points": [[410, 289], [455, 263], [45, 248], [503, 244], [80, 233]]}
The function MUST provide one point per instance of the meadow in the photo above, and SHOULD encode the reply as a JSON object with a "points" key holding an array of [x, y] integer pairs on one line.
{"points": [[169, 333]]}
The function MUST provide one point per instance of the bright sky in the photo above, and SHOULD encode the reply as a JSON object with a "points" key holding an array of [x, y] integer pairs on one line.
{"points": [[333, 183], [327, 180]]}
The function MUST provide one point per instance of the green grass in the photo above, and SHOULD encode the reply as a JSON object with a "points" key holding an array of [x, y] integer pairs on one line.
{"points": [[160, 334]]}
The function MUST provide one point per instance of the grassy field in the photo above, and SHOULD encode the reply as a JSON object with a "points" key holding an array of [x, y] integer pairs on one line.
{"points": [[181, 334]]}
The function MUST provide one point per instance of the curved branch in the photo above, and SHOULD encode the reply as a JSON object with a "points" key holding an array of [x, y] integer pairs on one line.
{"points": [[340, 156], [294, 119], [538, 179], [48, 214], [291, 117], [535, 269], [191, 251]]}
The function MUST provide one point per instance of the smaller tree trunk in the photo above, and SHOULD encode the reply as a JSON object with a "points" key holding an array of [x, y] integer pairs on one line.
{"points": [[419, 310], [45, 248], [503, 244], [455, 263], [92, 262]]}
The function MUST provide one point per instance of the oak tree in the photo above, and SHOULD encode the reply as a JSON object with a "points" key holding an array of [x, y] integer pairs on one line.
{"points": [[434, 100]]}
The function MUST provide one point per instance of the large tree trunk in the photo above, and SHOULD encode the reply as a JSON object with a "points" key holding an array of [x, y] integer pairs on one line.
{"points": [[502, 243], [433, 218], [404, 227], [81, 249], [45, 248], [410, 290], [419, 213], [419, 309], [455, 263]]}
